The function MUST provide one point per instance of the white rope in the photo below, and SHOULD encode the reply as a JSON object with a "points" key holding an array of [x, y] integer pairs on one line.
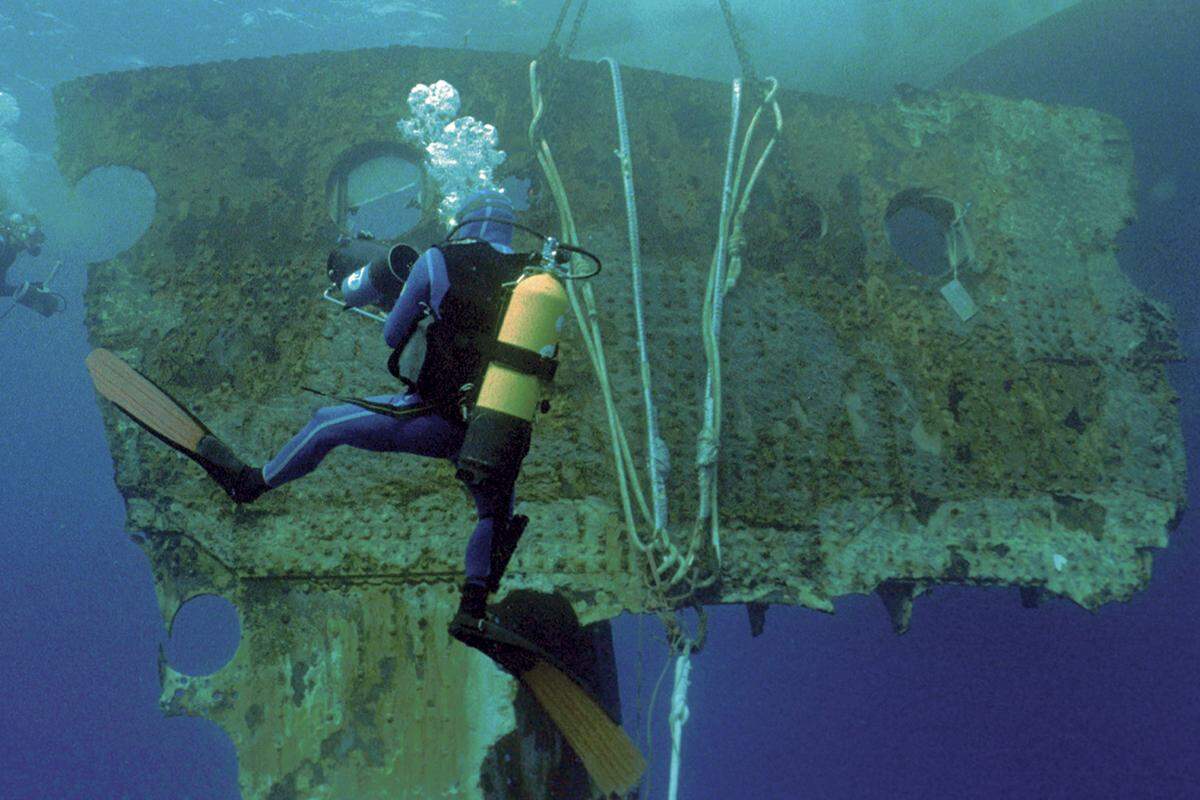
{"points": [[661, 553], [679, 715], [658, 457], [589, 326], [708, 441], [664, 557], [737, 239]]}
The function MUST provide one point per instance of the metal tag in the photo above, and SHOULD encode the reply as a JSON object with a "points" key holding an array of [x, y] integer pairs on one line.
{"points": [[956, 295]]}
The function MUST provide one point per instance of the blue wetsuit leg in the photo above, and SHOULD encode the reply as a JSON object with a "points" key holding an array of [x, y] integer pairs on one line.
{"points": [[427, 434], [494, 505]]}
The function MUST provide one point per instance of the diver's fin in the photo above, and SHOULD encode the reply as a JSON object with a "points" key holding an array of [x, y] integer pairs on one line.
{"points": [[149, 405], [145, 402], [611, 758]]}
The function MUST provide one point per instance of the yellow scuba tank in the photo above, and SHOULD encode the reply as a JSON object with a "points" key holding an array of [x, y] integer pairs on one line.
{"points": [[499, 424]]}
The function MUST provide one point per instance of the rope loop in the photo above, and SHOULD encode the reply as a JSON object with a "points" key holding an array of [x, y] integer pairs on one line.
{"points": [[662, 456], [678, 639], [737, 243], [707, 447]]}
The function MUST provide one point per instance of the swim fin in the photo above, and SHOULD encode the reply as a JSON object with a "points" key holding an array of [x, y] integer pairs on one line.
{"points": [[149, 405], [611, 758]]}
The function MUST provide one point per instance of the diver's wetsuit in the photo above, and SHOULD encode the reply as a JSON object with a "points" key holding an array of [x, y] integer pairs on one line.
{"points": [[19, 235], [9, 250], [430, 434]]}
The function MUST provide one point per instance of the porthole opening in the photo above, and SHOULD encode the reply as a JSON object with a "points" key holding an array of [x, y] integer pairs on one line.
{"points": [[929, 232], [203, 636], [114, 207], [378, 191]]}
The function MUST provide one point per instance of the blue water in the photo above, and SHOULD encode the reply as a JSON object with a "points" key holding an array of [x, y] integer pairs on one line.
{"points": [[980, 699]]}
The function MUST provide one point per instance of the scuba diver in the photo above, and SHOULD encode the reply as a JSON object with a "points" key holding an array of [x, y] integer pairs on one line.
{"points": [[447, 310], [474, 329], [449, 278], [18, 234]]}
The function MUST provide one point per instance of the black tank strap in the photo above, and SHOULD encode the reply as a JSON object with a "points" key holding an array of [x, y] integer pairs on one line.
{"points": [[524, 361]]}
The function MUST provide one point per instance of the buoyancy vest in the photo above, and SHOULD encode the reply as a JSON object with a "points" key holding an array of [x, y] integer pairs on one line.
{"points": [[444, 358]]}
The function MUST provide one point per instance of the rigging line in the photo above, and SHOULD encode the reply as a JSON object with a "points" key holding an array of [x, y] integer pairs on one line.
{"points": [[657, 456], [650, 718], [709, 439], [554, 54], [562, 17], [575, 28], [739, 47], [551, 48], [679, 717]]}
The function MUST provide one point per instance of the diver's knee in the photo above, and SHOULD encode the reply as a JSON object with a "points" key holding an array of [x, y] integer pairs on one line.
{"points": [[325, 431], [324, 416]]}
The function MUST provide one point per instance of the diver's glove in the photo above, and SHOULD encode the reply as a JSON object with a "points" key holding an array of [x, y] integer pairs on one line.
{"points": [[34, 296], [370, 272]]}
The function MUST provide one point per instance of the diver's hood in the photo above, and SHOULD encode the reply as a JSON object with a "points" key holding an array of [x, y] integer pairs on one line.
{"points": [[486, 215]]}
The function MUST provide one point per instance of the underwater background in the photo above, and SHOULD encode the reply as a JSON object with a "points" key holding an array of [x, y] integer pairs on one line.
{"points": [[980, 698]]}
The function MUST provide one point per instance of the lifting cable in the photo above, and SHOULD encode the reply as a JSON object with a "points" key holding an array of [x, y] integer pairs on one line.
{"points": [[709, 439], [749, 74], [552, 42], [723, 275], [587, 318], [672, 578], [659, 460]]}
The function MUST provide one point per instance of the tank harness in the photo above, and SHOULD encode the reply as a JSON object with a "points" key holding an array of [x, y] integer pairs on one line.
{"points": [[445, 357], [484, 356]]}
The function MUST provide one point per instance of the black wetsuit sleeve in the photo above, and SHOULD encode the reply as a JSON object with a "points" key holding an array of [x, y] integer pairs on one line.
{"points": [[8, 254], [6, 290]]}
